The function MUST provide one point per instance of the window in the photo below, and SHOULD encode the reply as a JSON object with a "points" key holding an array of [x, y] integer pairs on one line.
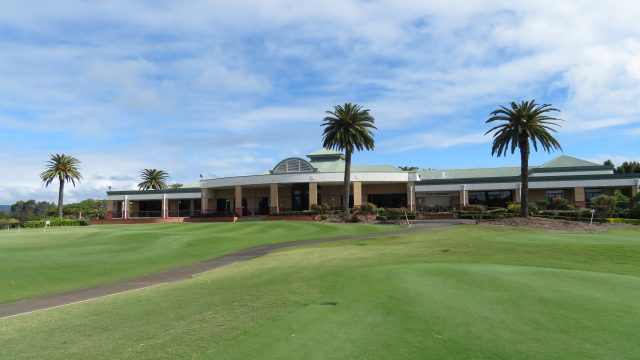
{"points": [[552, 194], [591, 193], [292, 165], [490, 198]]}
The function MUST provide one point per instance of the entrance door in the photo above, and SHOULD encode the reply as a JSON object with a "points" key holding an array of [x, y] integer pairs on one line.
{"points": [[263, 206]]}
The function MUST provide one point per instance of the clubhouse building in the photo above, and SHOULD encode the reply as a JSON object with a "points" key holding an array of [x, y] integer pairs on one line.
{"points": [[295, 184]]}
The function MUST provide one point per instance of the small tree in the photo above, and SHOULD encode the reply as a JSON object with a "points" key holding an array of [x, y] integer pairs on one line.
{"points": [[559, 203], [476, 211], [320, 209], [175, 185], [542, 204], [603, 205], [368, 209]]}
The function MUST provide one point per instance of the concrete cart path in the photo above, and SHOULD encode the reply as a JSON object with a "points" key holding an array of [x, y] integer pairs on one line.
{"points": [[186, 272]]}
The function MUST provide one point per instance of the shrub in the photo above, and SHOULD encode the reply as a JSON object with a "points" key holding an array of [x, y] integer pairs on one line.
{"points": [[620, 197], [559, 204], [55, 222], [514, 207], [214, 215], [635, 213], [624, 221], [603, 204], [9, 223], [289, 213], [475, 211], [499, 213], [533, 209], [542, 204], [355, 218], [320, 209], [368, 209]]}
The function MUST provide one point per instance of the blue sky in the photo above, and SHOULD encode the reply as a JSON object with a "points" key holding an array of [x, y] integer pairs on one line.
{"points": [[230, 88]]}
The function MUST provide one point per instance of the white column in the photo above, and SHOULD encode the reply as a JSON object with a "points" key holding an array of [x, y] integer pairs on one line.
{"points": [[164, 206], [125, 208]]}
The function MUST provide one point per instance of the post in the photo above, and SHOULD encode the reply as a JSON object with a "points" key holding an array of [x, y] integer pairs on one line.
{"points": [[579, 197], [463, 197], [518, 194], [274, 208], [125, 208], [109, 209], [411, 196], [204, 201], [357, 194], [164, 207], [313, 194], [238, 200]]}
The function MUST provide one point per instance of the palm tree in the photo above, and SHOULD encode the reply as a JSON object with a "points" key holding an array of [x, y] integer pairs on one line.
{"points": [[65, 169], [523, 123], [153, 179], [347, 128], [408, 168]]}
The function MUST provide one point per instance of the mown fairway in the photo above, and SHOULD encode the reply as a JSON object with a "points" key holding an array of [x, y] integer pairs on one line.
{"points": [[461, 293], [34, 262]]}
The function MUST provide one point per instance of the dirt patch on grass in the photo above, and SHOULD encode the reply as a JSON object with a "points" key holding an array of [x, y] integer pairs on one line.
{"points": [[550, 224]]}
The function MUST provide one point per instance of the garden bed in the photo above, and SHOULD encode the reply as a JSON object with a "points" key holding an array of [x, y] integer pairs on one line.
{"points": [[549, 224]]}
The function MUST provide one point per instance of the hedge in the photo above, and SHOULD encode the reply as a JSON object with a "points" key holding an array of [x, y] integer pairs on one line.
{"points": [[624, 221], [289, 213], [55, 222]]}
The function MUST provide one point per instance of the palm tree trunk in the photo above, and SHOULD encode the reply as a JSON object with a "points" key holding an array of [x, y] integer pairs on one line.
{"points": [[346, 190], [60, 198], [524, 177]]}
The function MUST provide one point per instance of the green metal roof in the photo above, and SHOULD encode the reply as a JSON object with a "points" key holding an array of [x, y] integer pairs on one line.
{"points": [[165, 191], [468, 173], [338, 166], [561, 163], [193, 184], [325, 152], [564, 161]]}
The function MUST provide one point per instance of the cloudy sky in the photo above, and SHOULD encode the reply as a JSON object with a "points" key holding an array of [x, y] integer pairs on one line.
{"points": [[225, 88]]}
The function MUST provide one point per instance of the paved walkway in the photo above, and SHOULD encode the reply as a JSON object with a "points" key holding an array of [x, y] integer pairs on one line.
{"points": [[185, 272]]}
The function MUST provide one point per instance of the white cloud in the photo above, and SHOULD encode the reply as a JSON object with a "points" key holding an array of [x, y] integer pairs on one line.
{"points": [[230, 87]]}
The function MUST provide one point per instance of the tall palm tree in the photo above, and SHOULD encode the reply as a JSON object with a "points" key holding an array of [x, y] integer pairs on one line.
{"points": [[347, 128], [65, 169], [408, 168], [153, 179], [523, 124]]}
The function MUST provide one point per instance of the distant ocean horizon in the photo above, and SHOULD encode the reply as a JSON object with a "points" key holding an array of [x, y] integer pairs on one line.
{"points": [[5, 207]]}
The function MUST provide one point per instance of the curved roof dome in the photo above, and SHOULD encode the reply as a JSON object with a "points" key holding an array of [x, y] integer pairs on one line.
{"points": [[293, 165]]}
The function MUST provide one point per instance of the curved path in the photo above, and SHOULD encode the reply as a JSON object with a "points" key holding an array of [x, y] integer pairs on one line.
{"points": [[186, 272]]}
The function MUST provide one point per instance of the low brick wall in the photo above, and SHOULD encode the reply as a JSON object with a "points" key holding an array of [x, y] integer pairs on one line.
{"points": [[211, 219], [292, 217], [158, 220]]}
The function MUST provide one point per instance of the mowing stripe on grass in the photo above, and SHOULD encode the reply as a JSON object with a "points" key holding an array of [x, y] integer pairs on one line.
{"points": [[182, 273]]}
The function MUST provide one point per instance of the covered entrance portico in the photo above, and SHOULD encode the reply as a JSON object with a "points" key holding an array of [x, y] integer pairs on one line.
{"points": [[160, 204]]}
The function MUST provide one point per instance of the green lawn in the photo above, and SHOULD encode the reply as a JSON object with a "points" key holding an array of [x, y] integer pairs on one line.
{"points": [[35, 262], [467, 292]]}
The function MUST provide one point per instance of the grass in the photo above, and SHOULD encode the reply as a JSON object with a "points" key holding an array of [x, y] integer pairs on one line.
{"points": [[35, 263], [460, 293]]}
